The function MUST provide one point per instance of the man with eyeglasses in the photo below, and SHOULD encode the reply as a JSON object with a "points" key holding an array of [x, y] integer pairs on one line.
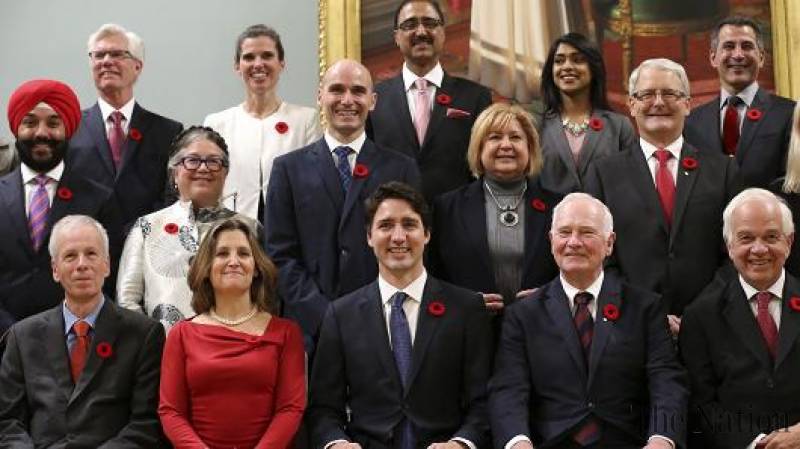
{"points": [[665, 195], [745, 121], [424, 112], [120, 144]]}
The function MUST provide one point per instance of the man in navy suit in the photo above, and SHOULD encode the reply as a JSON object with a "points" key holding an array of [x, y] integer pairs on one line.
{"points": [[314, 214], [740, 339], [407, 355], [42, 114], [423, 112], [744, 121], [587, 360]]}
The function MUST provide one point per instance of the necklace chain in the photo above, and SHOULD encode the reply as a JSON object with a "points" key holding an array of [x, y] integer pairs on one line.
{"points": [[233, 322], [576, 129], [510, 206]]}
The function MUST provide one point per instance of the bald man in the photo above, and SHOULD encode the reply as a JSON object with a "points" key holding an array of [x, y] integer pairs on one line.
{"points": [[314, 219]]}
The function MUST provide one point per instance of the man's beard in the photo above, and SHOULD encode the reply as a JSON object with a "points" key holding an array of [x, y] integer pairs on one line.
{"points": [[58, 148]]}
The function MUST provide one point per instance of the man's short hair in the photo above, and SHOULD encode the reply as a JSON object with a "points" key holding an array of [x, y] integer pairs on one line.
{"points": [[608, 219], [433, 3], [662, 64], [396, 190], [760, 195], [737, 21], [135, 43], [71, 222]]}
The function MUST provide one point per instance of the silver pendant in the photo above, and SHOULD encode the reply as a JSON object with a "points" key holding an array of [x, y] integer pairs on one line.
{"points": [[509, 218]]}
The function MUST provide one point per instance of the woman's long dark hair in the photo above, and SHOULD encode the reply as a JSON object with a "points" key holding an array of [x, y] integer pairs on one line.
{"points": [[597, 93]]}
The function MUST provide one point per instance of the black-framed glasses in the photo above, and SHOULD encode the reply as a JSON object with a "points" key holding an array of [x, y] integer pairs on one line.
{"points": [[213, 163], [667, 95], [115, 55], [429, 23]]}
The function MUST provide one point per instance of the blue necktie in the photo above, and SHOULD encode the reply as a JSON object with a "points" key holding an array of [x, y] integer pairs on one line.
{"points": [[343, 166], [401, 347]]}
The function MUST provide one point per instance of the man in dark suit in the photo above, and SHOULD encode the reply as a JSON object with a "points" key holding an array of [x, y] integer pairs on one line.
{"points": [[744, 121], [587, 360], [42, 114], [407, 355], [740, 340], [666, 196], [424, 112], [314, 215], [83, 375]]}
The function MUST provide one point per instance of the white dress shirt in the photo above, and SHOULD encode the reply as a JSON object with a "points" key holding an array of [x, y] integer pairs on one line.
{"points": [[126, 110], [748, 94], [652, 161], [355, 145], [434, 78], [30, 185]]}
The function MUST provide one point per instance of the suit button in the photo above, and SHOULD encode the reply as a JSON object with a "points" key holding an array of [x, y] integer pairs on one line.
{"points": [[671, 254], [590, 405], [770, 384]]}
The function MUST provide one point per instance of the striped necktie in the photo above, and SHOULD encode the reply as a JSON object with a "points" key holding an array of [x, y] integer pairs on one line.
{"points": [[38, 211]]}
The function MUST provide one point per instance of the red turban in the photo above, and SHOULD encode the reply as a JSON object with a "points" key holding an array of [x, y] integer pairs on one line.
{"points": [[55, 93]]}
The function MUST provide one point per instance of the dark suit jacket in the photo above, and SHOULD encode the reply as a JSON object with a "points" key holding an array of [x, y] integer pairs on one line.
{"points": [[26, 277], [559, 173], [442, 157], [793, 201], [460, 251], [315, 234], [763, 143], [737, 390], [677, 261], [542, 387], [354, 367], [112, 406]]}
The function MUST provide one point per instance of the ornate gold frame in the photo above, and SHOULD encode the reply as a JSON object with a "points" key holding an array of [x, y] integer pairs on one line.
{"points": [[340, 37]]}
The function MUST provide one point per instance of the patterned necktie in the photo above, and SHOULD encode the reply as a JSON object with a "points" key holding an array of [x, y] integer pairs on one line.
{"points": [[665, 185], [422, 109], [38, 211], [401, 347], [343, 166], [116, 137], [589, 431], [768, 328], [730, 126], [80, 349]]}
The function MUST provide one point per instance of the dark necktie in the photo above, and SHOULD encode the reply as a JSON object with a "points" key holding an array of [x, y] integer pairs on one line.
{"points": [[589, 431], [116, 137], [665, 185], [730, 126], [343, 166], [401, 347], [38, 211], [768, 328], [80, 349]]}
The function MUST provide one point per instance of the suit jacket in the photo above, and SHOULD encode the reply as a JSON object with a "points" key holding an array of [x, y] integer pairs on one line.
{"points": [[460, 250], [763, 143], [26, 277], [676, 261], [316, 234], [355, 368], [560, 173], [737, 390], [542, 387], [442, 156], [114, 402]]}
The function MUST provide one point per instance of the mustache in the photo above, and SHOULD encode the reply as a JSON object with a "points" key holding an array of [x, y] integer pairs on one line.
{"points": [[425, 39]]}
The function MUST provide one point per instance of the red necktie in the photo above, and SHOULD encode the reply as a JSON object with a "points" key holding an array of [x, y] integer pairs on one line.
{"points": [[730, 127], [116, 137], [422, 109], [665, 185], [768, 328], [589, 431], [80, 349]]}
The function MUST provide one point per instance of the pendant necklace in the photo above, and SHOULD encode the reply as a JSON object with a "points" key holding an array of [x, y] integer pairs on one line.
{"points": [[507, 214]]}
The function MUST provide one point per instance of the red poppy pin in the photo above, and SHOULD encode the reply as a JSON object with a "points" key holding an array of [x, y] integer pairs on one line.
{"points": [[754, 114], [104, 350], [611, 312], [794, 303], [436, 308], [64, 193], [444, 99], [171, 228], [689, 163], [281, 127], [596, 124], [538, 204], [135, 134], [360, 171]]}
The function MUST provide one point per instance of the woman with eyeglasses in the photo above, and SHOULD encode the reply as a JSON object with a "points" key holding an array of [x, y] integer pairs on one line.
{"points": [[160, 246], [578, 126]]}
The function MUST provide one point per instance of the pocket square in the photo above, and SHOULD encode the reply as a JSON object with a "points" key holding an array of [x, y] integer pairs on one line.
{"points": [[457, 113]]}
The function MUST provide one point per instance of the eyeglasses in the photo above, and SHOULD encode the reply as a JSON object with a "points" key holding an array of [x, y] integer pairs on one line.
{"points": [[114, 55], [429, 23], [194, 163], [667, 95]]}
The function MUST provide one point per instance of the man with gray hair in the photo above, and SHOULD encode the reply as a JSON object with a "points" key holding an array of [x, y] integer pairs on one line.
{"points": [[740, 338], [85, 373], [666, 196], [588, 360]]}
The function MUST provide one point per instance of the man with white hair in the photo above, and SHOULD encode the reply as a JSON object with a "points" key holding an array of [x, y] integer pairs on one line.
{"points": [[666, 196], [588, 360], [740, 339]]}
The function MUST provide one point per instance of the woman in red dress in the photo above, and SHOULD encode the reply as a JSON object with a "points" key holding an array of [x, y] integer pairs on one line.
{"points": [[233, 376]]}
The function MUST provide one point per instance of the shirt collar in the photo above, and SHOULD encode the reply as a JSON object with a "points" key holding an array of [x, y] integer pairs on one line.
{"points": [[413, 290], [571, 291], [355, 144], [776, 289], [106, 109], [28, 174], [748, 94], [70, 318], [674, 148], [435, 76]]}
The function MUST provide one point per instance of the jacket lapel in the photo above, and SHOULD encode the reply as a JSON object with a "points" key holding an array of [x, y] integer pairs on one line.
{"points": [[55, 343], [13, 198], [426, 327], [708, 125], [557, 306], [609, 294], [367, 157], [320, 158], [790, 322], [474, 223], [644, 185], [555, 134], [374, 321], [105, 331], [439, 111], [590, 143], [398, 102], [131, 146], [685, 180], [536, 224], [97, 129], [750, 128], [741, 321]]}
